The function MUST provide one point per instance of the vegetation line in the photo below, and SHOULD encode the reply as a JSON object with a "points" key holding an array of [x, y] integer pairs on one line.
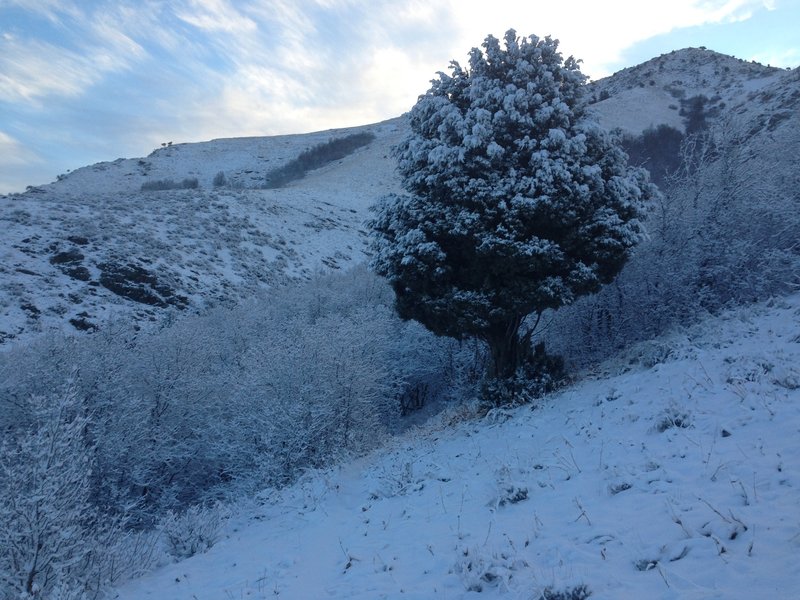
{"points": [[316, 157]]}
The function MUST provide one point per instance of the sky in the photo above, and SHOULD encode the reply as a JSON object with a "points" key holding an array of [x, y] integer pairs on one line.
{"points": [[83, 81]]}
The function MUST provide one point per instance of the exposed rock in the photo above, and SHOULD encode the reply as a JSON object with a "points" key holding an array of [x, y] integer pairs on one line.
{"points": [[81, 323], [71, 256], [136, 283]]}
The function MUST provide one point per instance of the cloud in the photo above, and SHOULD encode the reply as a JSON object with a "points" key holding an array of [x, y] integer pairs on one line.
{"points": [[215, 15], [52, 10], [13, 153], [19, 165], [32, 69], [787, 58], [596, 32], [317, 65]]}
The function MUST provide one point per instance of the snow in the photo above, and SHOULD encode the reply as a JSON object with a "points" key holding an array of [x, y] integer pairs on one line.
{"points": [[650, 94], [677, 481], [637, 109], [631, 481], [209, 244], [216, 245]]}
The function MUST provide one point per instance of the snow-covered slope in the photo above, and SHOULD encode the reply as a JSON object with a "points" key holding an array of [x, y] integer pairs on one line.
{"points": [[93, 246], [652, 93], [679, 481]]}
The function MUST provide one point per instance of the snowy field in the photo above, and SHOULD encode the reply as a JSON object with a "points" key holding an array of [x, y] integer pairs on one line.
{"points": [[681, 480], [671, 471]]}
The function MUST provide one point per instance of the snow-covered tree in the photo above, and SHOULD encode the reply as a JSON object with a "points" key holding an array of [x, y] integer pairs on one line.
{"points": [[46, 522], [517, 202]]}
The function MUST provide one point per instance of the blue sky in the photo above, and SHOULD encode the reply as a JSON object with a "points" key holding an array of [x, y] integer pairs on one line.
{"points": [[88, 80]]}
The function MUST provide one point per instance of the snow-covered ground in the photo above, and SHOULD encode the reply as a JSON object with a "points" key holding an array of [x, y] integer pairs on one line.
{"points": [[651, 94], [681, 480], [678, 480], [63, 241]]}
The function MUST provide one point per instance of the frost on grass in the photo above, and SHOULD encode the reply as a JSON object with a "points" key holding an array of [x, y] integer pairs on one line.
{"points": [[673, 416], [611, 503]]}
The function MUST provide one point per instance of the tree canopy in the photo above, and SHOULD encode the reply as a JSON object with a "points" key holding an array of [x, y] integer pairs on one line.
{"points": [[516, 201]]}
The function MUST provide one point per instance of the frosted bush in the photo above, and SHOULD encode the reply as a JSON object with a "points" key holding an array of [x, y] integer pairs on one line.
{"points": [[195, 530]]}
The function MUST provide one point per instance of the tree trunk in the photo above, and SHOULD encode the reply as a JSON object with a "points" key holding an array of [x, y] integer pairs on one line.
{"points": [[506, 349]]}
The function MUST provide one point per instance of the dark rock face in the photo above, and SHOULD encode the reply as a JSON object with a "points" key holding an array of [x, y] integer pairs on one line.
{"points": [[136, 283], [81, 323], [68, 257], [78, 240], [79, 273], [69, 261]]}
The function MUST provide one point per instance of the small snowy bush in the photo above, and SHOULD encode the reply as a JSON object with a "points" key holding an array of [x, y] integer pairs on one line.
{"points": [[189, 183], [579, 592], [673, 417], [481, 569], [540, 374], [220, 180], [194, 531]]}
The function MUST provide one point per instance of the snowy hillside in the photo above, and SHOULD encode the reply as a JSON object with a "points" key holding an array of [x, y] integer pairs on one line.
{"points": [[678, 481], [652, 93], [93, 246], [668, 468]]}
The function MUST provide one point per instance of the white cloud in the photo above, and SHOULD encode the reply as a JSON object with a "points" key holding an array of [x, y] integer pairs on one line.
{"points": [[13, 153], [788, 58], [320, 64], [596, 32], [52, 10], [31, 69], [215, 15], [111, 41]]}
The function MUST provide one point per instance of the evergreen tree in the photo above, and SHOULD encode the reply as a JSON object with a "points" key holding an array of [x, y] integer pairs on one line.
{"points": [[516, 202]]}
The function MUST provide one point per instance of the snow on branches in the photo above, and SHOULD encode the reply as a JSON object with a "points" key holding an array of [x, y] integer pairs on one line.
{"points": [[516, 202]]}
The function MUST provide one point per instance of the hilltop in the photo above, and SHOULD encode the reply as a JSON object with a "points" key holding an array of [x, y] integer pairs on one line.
{"points": [[655, 92]]}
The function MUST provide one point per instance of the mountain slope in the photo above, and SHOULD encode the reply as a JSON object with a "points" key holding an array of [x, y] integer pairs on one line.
{"points": [[656, 91], [93, 246], [681, 481]]}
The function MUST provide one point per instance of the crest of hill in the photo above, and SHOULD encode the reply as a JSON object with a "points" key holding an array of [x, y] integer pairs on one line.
{"points": [[651, 93], [243, 160]]}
